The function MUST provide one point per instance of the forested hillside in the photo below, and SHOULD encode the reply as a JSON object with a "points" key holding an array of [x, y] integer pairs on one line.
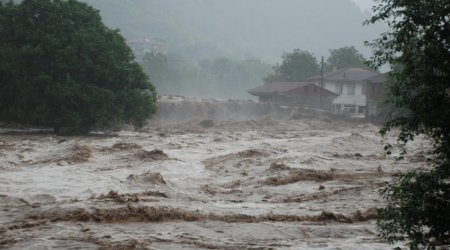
{"points": [[263, 29]]}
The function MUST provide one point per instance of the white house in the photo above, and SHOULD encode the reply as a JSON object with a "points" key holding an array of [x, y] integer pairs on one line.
{"points": [[349, 84]]}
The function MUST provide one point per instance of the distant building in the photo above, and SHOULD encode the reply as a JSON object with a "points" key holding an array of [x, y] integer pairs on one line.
{"points": [[374, 91], [348, 84], [305, 94], [353, 91], [141, 46]]}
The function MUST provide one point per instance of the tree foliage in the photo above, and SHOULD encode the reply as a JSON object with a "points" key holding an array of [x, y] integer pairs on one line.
{"points": [[61, 66], [296, 66], [418, 44], [345, 57]]}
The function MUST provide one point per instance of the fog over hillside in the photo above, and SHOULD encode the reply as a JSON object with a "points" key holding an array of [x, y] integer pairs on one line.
{"points": [[263, 29]]}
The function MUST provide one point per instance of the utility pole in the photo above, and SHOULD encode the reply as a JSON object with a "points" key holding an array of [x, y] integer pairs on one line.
{"points": [[321, 83]]}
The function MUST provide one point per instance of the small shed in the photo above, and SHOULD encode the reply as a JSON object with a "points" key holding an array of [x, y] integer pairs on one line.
{"points": [[304, 94]]}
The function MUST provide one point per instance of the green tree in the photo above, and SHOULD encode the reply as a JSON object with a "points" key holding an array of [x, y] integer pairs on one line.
{"points": [[418, 43], [61, 66], [345, 57], [296, 66]]}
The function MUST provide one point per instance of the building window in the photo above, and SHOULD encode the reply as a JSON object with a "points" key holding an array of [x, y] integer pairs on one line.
{"points": [[350, 88], [349, 109], [337, 108]]}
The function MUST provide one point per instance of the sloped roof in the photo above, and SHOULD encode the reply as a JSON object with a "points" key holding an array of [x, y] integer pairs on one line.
{"points": [[276, 87], [346, 74], [282, 87], [381, 78], [324, 90]]}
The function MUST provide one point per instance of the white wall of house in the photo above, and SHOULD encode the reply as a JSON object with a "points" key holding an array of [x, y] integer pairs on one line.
{"points": [[355, 97], [350, 94]]}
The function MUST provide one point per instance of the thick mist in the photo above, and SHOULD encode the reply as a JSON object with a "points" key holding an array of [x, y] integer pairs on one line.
{"points": [[235, 30]]}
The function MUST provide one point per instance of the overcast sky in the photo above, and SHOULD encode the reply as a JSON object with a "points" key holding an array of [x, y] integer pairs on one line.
{"points": [[364, 4]]}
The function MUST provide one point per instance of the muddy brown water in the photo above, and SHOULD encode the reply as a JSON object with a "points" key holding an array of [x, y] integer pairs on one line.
{"points": [[244, 184]]}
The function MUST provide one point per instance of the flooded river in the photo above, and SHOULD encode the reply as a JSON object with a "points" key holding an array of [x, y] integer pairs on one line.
{"points": [[266, 181]]}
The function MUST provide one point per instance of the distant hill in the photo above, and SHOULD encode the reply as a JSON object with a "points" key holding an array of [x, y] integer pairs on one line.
{"points": [[241, 28]]}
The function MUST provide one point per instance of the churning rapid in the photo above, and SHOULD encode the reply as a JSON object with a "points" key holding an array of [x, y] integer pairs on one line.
{"points": [[212, 175]]}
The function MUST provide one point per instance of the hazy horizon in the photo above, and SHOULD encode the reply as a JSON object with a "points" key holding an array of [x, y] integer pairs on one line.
{"points": [[222, 48], [261, 29]]}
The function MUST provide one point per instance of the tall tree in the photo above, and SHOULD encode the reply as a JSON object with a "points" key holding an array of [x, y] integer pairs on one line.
{"points": [[345, 57], [296, 66], [62, 67], [418, 43]]}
